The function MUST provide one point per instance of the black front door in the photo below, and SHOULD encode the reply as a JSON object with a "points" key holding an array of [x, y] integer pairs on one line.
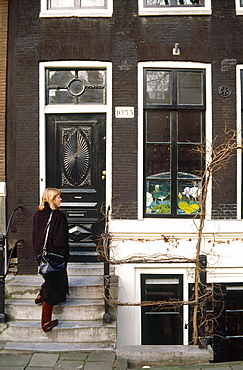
{"points": [[75, 163]]}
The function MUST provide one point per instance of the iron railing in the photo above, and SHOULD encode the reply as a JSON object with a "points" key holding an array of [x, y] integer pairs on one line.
{"points": [[5, 262], [106, 250]]}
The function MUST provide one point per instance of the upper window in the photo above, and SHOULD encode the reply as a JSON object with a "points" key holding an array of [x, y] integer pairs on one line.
{"points": [[161, 7], [239, 7], [174, 117], [78, 8], [75, 86]]}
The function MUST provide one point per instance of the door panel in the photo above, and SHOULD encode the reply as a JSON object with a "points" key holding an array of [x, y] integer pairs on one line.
{"points": [[75, 164]]}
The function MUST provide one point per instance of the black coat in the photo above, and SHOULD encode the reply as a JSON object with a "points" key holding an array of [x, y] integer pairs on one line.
{"points": [[53, 291]]}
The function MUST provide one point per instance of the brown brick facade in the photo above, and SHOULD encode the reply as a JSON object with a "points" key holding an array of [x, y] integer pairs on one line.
{"points": [[3, 69], [125, 39]]}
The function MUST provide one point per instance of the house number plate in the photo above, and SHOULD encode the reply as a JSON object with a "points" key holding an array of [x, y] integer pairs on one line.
{"points": [[124, 112]]}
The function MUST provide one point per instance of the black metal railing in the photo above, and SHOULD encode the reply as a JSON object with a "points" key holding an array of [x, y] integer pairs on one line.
{"points": [[107, 278], [5, 262]]}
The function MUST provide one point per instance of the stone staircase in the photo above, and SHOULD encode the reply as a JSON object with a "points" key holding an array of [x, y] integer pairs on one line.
{"points": [[80, 317]]}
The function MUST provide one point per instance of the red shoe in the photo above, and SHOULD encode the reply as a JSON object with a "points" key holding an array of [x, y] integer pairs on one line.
{"points": [[47, 326], [38, 299]]}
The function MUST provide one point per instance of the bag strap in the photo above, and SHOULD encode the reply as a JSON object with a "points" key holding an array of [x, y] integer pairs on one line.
{"points": [[47, 230]]}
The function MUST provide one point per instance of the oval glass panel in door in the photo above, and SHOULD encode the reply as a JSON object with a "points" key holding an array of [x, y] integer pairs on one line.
{"points": [[76, 157]]}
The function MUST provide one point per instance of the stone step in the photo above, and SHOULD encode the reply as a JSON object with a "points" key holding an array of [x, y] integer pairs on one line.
{"points": [[88, 269], [66, 331], [55, 347], [25, 309], [28, 286]]}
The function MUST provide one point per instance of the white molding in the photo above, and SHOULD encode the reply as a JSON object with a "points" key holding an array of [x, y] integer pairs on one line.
{"points": [[91, 12], [208, 118], [238, 8], [239, 139], [178, 10], [3, 191], [89, 108]]}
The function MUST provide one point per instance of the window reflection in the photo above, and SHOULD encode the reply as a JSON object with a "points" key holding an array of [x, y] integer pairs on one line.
{"points": [[174, 3], [76, 86]]}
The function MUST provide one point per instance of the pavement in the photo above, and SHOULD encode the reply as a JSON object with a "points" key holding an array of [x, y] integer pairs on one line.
{"points": [[97, 360], [65, 360]]}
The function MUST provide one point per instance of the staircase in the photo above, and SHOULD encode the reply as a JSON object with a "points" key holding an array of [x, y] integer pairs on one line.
{"points": [[80, 318]]}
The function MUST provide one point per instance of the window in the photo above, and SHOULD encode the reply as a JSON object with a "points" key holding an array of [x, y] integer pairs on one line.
{"points": [[78, 8], [160, 7], [162, 325], [75, 86], [239, 7], [174, 130]]}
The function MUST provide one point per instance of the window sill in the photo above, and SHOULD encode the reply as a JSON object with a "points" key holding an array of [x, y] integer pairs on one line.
{"points": [[175, 11], [84, 13]]}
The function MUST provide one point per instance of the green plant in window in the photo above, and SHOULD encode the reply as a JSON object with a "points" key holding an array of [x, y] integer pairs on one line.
{"points": [[161, 208]]}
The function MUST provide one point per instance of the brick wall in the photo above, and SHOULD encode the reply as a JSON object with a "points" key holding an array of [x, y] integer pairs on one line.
{"points": [[125, 39], [3, 60]]}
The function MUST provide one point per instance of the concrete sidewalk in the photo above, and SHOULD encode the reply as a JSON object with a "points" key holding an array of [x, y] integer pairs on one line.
{"points": [[66, 360], [222, 366]]}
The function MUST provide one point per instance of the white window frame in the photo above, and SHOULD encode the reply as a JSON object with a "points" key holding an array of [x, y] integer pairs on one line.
{"points": [[239, 68], [75, 108], [208, 124], [238, 8], [177, 10], [80, 12]]}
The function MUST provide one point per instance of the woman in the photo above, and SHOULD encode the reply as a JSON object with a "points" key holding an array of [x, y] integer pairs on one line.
{"points": [[53, 291]]}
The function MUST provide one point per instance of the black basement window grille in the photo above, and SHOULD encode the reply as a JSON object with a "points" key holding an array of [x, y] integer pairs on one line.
{"points": [[174, 115]]}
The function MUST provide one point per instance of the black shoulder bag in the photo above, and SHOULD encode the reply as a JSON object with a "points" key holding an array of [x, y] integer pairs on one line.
{"points": [[52, 265]]}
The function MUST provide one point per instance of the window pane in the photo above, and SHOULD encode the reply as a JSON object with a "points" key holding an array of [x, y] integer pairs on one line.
{"points": [[189, 194], [62, 3], [93, 3], [189, 126], [76, 86], [158, 87], [158, 159], [158, 182], [190, 88], [158, 198], [189, 160], [158, 125], [174, 3], [60, 97], [76, 3], [60, 78]]}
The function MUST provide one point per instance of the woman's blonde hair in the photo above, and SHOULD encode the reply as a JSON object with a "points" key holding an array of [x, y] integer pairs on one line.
{"points": [[48, 197]]}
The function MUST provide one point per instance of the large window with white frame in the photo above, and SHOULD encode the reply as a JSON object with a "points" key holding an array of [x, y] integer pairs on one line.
{"points": [[162, 7], [239, 7], [174, 116], [76, 8]]}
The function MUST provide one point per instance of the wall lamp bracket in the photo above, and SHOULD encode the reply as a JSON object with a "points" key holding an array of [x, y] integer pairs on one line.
{"points": [[176, 49]]}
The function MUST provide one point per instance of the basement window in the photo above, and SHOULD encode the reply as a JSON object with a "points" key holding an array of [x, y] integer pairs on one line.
{"points": [[76, 8], [166, 7]]}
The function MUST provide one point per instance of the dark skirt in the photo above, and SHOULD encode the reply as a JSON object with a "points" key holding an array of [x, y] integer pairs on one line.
{"points": [[54, 291]]}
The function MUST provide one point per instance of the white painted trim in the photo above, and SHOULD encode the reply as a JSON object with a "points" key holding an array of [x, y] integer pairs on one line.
{"points": [[185, 10], [3, 191], [208, 119], [239, 139], [91, 12], [89, 108], [238, 8]]}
